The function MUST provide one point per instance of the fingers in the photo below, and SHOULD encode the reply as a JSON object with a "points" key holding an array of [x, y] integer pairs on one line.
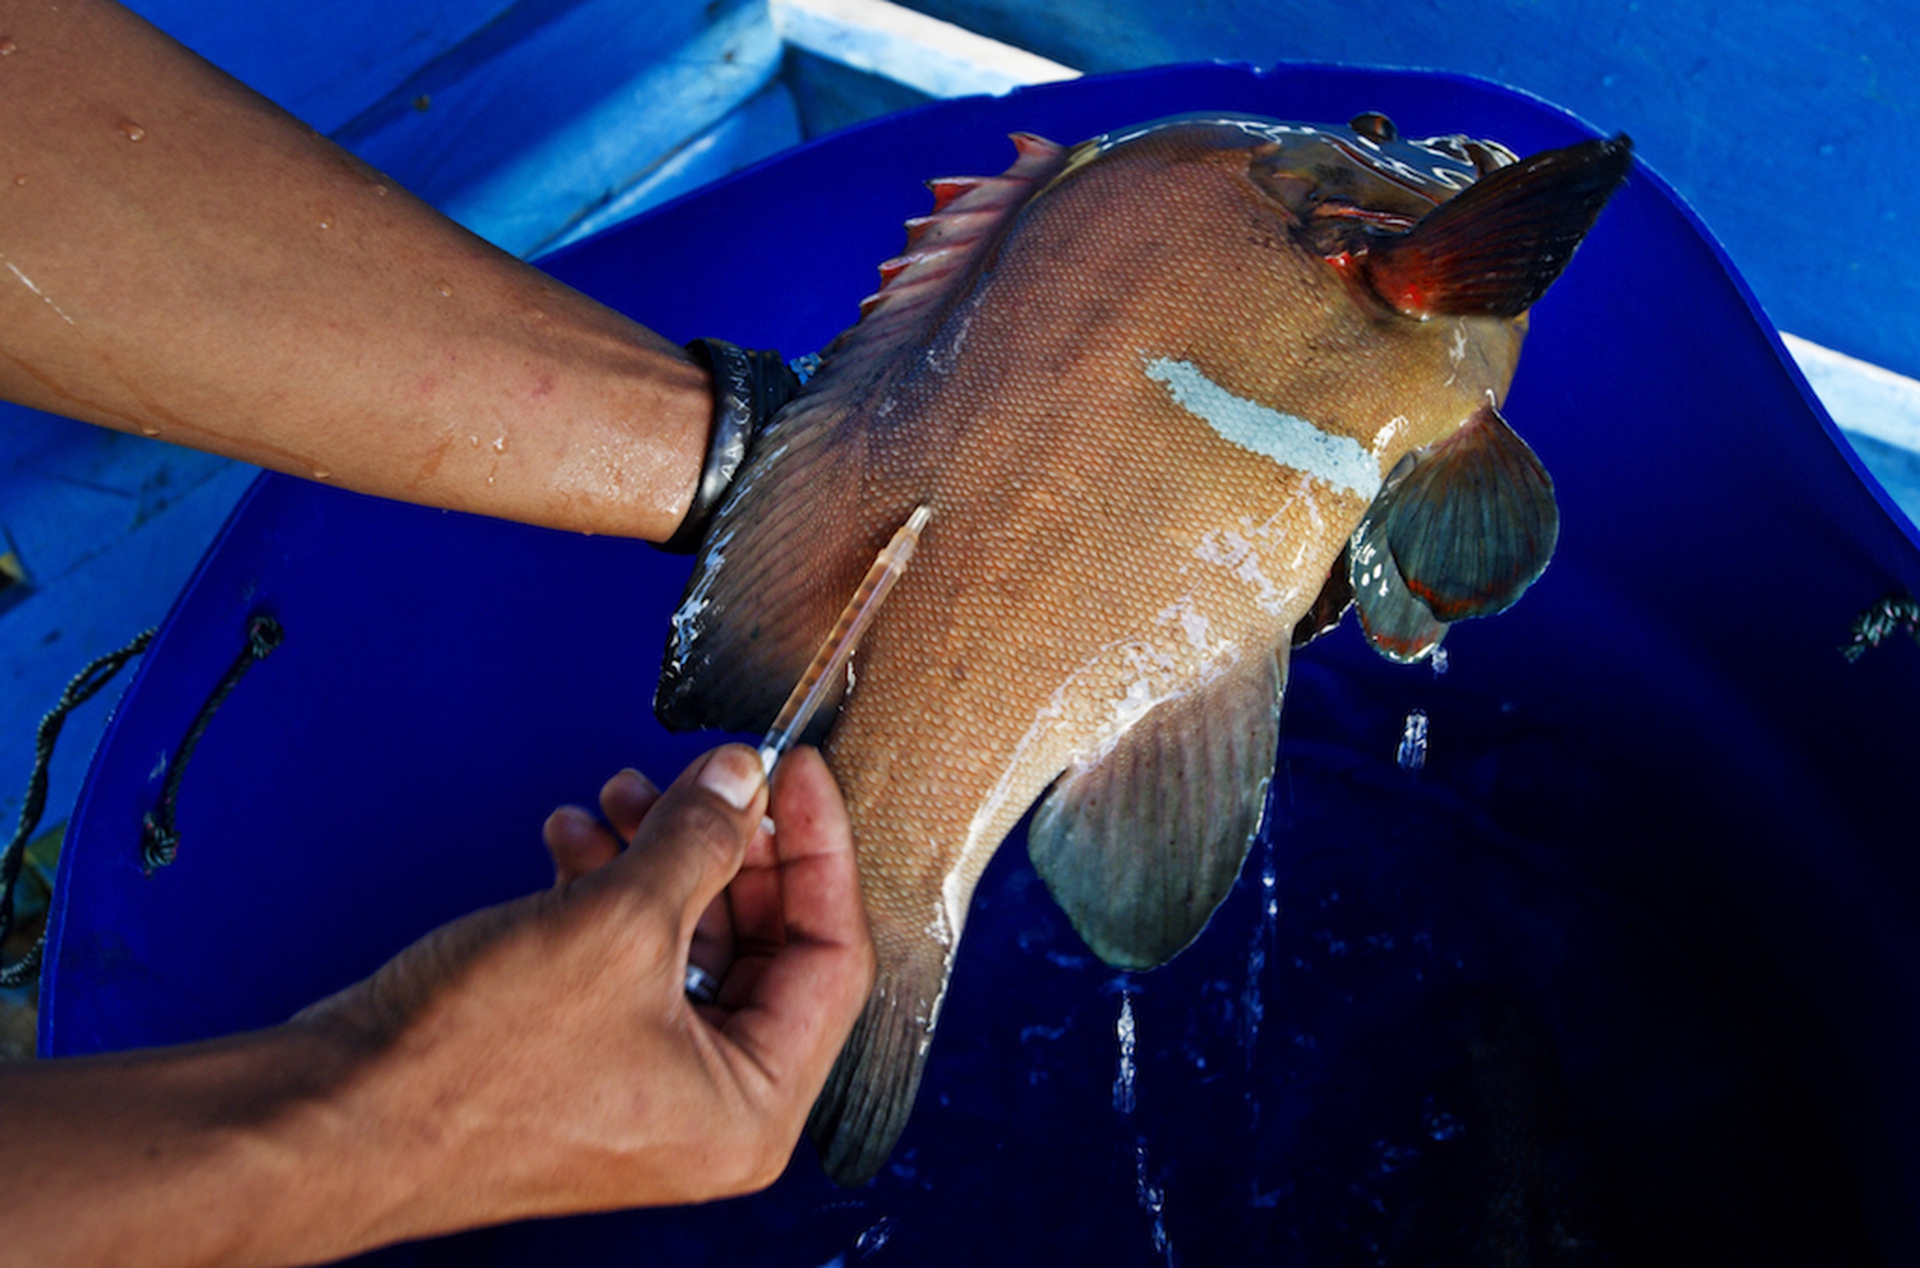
{"points": [[578, 844], [802, 911], [625, 800], [692, 838]]}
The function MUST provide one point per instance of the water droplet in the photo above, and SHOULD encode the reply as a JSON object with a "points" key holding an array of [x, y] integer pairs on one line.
{"points": [[326, 222], [1413, 742], [1439, 1124], [380, 190], [7, 46], [21, 179], [321, 473], [499, 444], [1439, 661], [422, 102], [131, 130], [445, 289], [874, 1239], [149, 429], [474, 441]]}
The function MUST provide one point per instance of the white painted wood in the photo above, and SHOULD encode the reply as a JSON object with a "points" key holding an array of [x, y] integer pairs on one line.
{"points": [[935, 57]]}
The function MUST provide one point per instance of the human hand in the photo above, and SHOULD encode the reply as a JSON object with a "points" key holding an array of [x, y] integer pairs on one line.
{"points": [[542, 1056]]}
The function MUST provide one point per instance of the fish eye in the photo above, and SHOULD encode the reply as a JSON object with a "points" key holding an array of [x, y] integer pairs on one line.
{"points": [[1374, 126]]}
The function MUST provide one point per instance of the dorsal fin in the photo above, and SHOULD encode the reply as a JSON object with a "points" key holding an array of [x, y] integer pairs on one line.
{"points": [[799, 526], [969, 213]]}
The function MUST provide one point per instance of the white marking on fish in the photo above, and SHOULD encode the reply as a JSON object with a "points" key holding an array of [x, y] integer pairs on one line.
{"points": [[1287, 439], [1234, 551], [1385, 435], [1192, 623]]}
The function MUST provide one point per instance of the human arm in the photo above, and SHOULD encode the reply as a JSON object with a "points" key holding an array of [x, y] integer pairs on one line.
{"points": [[535, 1058], [180, 258]]}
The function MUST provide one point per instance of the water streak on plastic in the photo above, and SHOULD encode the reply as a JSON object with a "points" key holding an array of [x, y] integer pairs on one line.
{"points": [[1124, 1029], [1253, 1008], [1413, 741], [815, 684], [1152, 1199]]}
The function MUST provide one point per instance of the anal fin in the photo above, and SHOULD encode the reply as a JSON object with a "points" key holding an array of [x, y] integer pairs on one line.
{"points": [[869, 1094], [1140, 846]]}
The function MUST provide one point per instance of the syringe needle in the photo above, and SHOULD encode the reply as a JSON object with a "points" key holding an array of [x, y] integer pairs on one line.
{"points": [[831, 659]]}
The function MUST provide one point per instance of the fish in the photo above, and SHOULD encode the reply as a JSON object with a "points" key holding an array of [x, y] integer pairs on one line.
{"points": [[1177, 398]]}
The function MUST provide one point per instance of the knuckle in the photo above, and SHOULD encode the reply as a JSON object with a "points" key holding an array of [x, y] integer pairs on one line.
{"points": [[702, 824]]}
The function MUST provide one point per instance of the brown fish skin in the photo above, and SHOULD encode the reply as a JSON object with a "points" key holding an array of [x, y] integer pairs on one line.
{"points": [[1102, 558]]}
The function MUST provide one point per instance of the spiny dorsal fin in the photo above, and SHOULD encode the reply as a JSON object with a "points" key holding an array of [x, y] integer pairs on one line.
{"points": [[1496, 247], [968, 214], [1141, 845], [768, 581]]}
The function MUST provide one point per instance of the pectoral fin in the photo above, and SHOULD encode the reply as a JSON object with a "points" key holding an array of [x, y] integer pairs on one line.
{"points": [[1139, 846], [1399, 626], [1497, 246]]}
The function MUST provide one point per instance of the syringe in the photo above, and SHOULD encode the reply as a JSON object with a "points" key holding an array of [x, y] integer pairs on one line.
{"points": [[828, 663]]}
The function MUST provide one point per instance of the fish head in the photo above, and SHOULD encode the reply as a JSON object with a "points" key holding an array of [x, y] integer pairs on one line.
{"points": [[1410, 263], [1365, 176]]}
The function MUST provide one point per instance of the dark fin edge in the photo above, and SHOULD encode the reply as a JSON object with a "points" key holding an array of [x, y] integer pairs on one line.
{"points": [[1141, 846], [1473, 522], [1495, 248], [869, 1094], [767, 584]]}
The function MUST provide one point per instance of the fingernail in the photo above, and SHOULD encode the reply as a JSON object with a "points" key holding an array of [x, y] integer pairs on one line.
{"points": [[571, 823], [734, 773], [627, 788]]}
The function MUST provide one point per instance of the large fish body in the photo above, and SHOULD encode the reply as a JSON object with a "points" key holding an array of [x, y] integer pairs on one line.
{"points": [[1169, 394]]}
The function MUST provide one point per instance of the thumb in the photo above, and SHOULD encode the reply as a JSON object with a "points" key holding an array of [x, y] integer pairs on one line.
{"points": [[692, 841]]}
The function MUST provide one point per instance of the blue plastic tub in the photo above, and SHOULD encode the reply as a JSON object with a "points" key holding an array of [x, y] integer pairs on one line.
{"points": [[1635, 954]]}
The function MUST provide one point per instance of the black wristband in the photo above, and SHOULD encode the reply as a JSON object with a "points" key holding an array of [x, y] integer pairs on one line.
{"points": [[749, 387]]}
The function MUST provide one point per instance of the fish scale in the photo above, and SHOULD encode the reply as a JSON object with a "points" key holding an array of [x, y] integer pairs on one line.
{"points": [[1151, 391]]}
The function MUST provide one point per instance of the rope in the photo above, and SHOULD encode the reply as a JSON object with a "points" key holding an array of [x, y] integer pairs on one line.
{"points": [[159, 837], [83, 688]]}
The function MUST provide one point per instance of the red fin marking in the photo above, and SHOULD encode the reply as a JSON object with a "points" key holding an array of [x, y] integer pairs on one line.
{"points": [[1495, 248]]}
